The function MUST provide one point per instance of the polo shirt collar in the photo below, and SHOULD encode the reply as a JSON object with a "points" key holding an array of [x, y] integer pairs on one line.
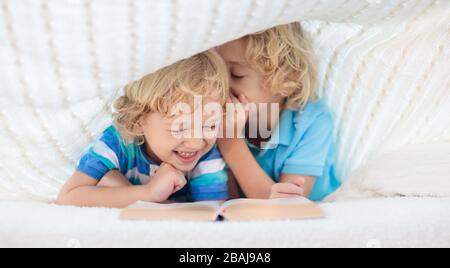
{"points": [[283, 134]]}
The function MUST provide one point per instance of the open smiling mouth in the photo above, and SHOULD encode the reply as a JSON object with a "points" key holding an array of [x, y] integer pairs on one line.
{"points": [[186, 157]]}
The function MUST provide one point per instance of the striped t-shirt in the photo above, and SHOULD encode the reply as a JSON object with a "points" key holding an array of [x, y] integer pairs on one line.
{"points": [[207, 181]]}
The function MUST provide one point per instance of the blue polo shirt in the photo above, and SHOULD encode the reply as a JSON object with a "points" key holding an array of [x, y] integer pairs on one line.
{"points": [[302, 145]]}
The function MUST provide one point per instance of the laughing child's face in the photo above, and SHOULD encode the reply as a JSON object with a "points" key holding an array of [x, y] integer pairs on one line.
{"points": [[244, 79], [175, 112], [171, 139]]}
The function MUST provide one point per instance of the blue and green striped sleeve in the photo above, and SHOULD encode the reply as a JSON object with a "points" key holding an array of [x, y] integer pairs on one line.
{"points": [[104, 155]]}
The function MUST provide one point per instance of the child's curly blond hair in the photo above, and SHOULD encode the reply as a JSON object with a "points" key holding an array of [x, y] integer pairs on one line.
{"points": [[204, 74], [284, 57]]}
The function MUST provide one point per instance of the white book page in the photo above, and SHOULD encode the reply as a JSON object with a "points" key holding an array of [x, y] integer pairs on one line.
{"points": [[282, 201], [274, 209], [199, 211], [149, 205]]}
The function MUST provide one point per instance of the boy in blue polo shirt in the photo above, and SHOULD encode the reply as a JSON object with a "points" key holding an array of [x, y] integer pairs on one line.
{"points": [[274, 67], [302, 144]]}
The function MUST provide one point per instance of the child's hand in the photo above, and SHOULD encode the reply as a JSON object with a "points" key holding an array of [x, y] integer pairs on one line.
{"points": [[288, 189], [239, 118], [167, 181]]}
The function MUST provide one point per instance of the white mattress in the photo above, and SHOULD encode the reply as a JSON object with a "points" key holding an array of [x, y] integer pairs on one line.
{"points": [[387, 222]]}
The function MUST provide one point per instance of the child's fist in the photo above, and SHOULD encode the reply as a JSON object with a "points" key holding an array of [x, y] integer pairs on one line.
{"points": [[167, 181]]}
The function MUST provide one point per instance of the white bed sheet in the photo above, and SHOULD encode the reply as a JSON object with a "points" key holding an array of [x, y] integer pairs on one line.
{"points": [[384, 222]]}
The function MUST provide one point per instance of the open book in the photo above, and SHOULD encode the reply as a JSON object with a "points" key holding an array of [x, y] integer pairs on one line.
{"points": [[234, 210]]}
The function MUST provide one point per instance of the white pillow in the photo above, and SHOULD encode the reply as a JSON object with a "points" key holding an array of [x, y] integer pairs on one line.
{"points": [[420, 170], [383, 67]]}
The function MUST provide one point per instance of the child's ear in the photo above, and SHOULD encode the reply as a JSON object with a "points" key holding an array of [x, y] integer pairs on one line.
{"points": [[140, 125]]}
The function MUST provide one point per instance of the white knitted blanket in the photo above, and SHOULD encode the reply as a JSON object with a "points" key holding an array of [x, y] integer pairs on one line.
{"points": [[384, 70]]}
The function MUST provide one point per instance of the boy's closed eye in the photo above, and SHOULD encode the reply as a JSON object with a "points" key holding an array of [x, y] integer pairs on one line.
{"points": [[236, 76], [237, 73]]}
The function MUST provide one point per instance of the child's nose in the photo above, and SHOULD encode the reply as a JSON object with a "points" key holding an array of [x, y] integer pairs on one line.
{"points": [[195, 143]]}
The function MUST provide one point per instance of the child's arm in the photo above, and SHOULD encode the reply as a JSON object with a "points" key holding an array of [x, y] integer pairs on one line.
{"points": [[234, 191], [114, 178], [305, 182], [82, 190], [253, 180]]}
